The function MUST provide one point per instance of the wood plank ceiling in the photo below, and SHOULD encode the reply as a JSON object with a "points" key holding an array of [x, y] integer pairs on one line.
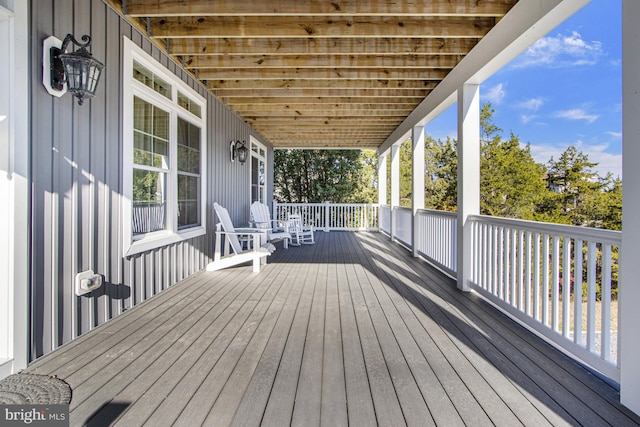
{"points": [[317, 73]]}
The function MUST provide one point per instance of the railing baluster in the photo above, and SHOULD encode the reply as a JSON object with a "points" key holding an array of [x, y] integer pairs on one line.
{"points": [[486, 258], [536, 276], [527, 274], [577, 292], [566, 285], [545, 279], [505, 265], [495, 261], [591, 295], [605, 328], [555, 275], [513, 265]]}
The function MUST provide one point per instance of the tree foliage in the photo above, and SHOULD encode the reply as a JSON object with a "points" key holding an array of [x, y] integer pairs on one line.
{"points": [[512, 183], [315, 176]]}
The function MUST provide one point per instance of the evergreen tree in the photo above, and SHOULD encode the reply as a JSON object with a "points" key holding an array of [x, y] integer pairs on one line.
{"points": [[441, 174], [367, 187], [575, 189], [511, 182], [315, 176]]}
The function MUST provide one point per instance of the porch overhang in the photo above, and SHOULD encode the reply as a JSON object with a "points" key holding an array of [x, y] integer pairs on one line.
{"points": [[328, 75]]}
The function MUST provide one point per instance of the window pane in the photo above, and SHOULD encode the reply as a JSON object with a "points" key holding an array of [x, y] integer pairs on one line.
{"points": [[188, 147], [150, 135], [149, 79], [142, 115], [188, 201], [160, 123], [149, 201], [185, 102], [255, 179]]}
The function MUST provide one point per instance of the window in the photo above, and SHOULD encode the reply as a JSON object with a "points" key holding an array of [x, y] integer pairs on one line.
{"points": [[164, 153], [258, 173]]}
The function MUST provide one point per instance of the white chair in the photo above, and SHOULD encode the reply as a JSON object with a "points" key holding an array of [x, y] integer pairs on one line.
{"points": [[261, 218], [300, 233], [225, 232]]}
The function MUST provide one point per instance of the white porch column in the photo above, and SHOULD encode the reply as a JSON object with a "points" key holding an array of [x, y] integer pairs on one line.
{"points": [[629, 292], [382, 179], [468, 176], [395, 185], [382, 186], [417, 192]]}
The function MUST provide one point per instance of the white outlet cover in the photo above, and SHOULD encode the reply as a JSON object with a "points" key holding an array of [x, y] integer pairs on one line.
{"points": [[89, 274]]}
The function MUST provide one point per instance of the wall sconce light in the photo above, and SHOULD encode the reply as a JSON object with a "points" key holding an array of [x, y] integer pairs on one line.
{"points": [[78, 70], [238, 150]]}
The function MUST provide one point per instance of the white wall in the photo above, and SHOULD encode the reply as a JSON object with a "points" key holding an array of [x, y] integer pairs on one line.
{"points": [[14, 189]]}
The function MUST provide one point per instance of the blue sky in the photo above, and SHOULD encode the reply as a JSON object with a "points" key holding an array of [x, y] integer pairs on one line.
{"points": [[564, 90]]}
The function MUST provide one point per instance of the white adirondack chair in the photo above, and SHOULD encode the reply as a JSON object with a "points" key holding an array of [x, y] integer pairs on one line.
{"points": [[261, 218], [300, 233], [227, 235]]}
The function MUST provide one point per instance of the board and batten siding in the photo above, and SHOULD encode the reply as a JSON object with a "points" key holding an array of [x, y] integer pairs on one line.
{"points": [[76, 172]]}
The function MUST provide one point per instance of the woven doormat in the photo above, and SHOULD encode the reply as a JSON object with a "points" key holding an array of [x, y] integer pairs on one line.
{"points": [[21, 389]]}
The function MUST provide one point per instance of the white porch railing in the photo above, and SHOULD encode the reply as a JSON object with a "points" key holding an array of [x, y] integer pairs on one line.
{"points": [[402, 225], [557, 279], [385, 219], [332, 216], [436, 239]]}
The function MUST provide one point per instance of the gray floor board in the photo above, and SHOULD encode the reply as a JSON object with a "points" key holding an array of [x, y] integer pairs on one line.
{"points": [[360, 407], [349, 331], [280, 406], [148, 389], [250, 409]]}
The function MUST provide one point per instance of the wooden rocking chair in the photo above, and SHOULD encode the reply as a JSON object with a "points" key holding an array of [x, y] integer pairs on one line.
{"points": [[225, 232]]}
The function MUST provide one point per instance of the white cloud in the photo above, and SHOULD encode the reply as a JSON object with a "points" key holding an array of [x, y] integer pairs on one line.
{"points": [[615, 134], [495, 94], [526, 118], [531, 104], [607, 162], [576, 114], [560, 51]]}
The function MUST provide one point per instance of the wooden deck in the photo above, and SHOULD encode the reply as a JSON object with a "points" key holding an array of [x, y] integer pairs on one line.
{"points": [[351, 330]]}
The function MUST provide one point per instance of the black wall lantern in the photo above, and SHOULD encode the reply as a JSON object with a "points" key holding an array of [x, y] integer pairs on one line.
{"points": [[79, 69], [239, 151]]}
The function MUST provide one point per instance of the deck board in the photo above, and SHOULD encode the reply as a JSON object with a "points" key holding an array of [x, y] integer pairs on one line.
{"points": [[279, 410], [360, 406], [334, 400], [254, 400], [532, 370], [350, 331]]}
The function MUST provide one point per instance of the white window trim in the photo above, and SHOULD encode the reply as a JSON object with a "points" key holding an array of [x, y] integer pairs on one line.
{"points": [[131, 87], [252, 141]]}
